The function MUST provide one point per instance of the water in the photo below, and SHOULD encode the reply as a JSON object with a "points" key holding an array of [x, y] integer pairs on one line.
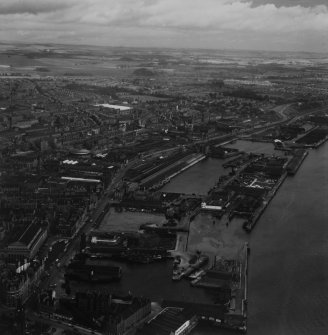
{"points": [[198, 179], [154, 281], [254, 147], [288, 284], [288, 277]]}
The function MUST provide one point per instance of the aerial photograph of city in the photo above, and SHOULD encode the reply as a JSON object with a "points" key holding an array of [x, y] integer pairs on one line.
{"points": [[163, 167]]}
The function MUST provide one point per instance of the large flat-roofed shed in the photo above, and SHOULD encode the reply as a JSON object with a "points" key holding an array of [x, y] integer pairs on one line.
{"points": [[170, 321]]}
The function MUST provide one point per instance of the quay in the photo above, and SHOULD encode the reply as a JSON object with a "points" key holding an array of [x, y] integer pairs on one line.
{"points": [[250, 224], [231, 278], [296, 162]]}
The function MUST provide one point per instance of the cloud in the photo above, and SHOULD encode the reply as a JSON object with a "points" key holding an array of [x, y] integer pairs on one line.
{"points": [[267, 23], [235, 15], [35, 7], [290, 3], [202, 14]]}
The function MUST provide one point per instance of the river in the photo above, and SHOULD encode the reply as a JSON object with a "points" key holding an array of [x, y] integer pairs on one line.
{"points": [[288, 284], [288, 277]]}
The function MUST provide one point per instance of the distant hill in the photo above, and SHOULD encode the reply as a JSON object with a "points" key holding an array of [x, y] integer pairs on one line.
{"points": [[144, 72], [126, 59], [42, 69]]}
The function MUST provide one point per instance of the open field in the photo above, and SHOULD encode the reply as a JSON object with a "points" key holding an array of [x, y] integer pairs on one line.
{"points": [[217, 238], [128, 221]]}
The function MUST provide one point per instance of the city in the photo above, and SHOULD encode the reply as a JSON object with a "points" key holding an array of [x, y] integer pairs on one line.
{"points": [[149, 190]]}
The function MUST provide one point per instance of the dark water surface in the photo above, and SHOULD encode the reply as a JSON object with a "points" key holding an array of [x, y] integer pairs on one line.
{"points": [[254, 147], [197, 179], [154, 281], [288, 277]]}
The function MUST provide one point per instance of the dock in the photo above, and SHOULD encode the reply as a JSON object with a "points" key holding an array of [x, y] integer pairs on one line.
{"points": [[250, 224]]}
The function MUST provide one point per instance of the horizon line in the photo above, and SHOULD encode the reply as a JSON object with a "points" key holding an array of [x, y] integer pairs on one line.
{"points": [[5, 42]]}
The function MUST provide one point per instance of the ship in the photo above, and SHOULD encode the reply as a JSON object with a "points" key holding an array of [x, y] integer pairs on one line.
{"points": [[296, 161], [179, 273], [247, 226], [196, 274]]}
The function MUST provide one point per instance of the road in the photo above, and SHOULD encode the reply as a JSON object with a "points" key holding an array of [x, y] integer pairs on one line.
{"points": [[61, 324], [281, 111], [68, 325], [56, 273], [307, 112]]}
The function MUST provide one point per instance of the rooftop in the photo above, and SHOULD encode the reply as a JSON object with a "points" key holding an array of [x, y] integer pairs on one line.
{"points": [[166, 322], [30, 233], [121, 108]]}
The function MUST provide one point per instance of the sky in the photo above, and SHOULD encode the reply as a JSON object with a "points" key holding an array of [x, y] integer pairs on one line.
{"points": [[282, 25]]}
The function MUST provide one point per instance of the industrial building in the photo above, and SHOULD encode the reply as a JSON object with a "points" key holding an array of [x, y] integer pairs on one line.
{"points": [[170, 321], [28, 242]]}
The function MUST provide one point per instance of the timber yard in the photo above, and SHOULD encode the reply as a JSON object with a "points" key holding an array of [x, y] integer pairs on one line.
{"points": [[129, 197]]}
